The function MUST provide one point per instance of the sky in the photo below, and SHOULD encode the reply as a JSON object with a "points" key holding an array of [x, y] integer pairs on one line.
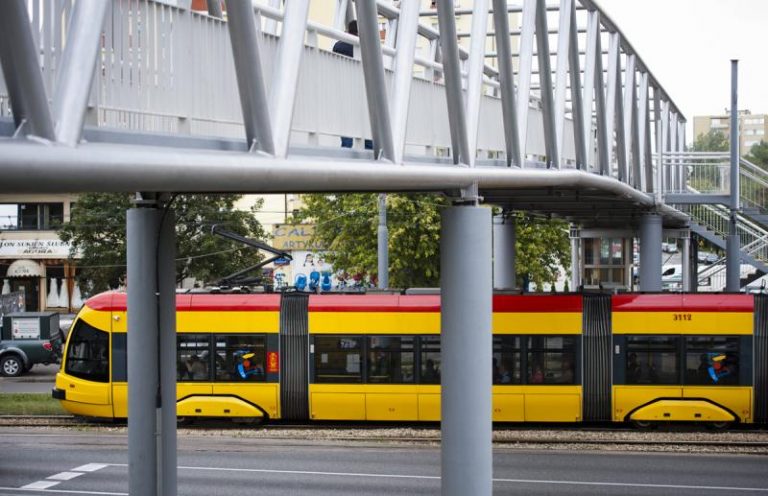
{"points": [[688, 46]]}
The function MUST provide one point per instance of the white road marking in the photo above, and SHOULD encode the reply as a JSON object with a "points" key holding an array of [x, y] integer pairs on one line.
{"points": [[65, 476], [55, 479], [15, 490], [41, 485], [91, 467]]}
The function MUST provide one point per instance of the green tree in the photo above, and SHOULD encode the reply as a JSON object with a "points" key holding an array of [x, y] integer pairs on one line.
{"points": [[347, 225], [543, 248], [758, 154], [97, 233], [713, 141]]}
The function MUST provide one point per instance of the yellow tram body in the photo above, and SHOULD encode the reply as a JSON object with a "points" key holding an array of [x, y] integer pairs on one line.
{"points": [[376, 358]]}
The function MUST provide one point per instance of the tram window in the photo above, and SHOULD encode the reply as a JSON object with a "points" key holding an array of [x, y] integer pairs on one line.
{"points": [[193, 357], [652, 360], [712, 360], [430, 360], [88, 353], [337, 359], [390, 359], [506, 360], [240, 358], [551, 360]]}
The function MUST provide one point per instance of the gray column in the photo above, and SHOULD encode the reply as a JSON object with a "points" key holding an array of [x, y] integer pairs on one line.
{"points": [[383, 247], [466, 288], [732, 258], [504, 254], [575, 259], [733, 262], [685, 262], [650, 252], [142, 230], [167, 290]]}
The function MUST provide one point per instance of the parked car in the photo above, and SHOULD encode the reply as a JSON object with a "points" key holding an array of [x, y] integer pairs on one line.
{"points": [[27, 339], [707, 257]]}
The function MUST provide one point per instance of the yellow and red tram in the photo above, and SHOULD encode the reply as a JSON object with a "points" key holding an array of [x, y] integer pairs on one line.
{"points": [[556, 357]]}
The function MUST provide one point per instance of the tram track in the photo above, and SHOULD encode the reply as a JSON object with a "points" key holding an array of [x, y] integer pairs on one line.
{"points": [[743, 439]]}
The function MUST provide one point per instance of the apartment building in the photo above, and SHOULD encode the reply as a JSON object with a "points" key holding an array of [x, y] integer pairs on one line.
{"points": [[753, 128]]}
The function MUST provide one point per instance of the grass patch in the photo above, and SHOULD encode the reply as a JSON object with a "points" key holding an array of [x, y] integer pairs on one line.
{"points": [[29, 404]]}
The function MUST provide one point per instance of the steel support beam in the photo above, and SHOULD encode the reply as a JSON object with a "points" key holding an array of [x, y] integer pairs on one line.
{"points": [[545, 78], [143, 384], [504, 252], [285, 80], [375, 85], [250, 75], [452, 75], [561, 75], [401, 95], [650, 252], [466, 288], [577, 101], [19, 56], [507, 85], [75, 72], [525, 66], [475, 76]]}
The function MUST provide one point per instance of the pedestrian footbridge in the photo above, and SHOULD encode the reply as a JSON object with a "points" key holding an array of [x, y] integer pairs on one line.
{"points": [[529, 105]]}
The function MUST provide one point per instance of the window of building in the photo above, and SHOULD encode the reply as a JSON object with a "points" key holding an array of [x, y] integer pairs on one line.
{"points": [[506, 360], [551, 360], [430, 360], [390, 359], [652, 360], [240, 357], [31, 216], [88, 353], [338, 359], [711, 360], [193, 356]]}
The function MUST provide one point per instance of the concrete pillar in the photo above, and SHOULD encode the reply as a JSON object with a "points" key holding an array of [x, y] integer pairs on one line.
{"points": [[650, 252], [575, 259], [685, 262], [466, 288], [383, 243], [733, 258], [142, 234], [504, 252], [167, 422]]}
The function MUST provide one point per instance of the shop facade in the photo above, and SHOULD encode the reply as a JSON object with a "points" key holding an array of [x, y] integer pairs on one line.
{"points": [[33, 260]]}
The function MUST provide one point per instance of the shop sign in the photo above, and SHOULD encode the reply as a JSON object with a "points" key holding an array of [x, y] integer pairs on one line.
{"points": [[290, 237], [34, 248]]}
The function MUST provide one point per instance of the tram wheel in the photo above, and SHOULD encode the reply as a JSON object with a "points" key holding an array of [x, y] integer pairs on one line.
{"points": [[719, 426], [645, 424]]}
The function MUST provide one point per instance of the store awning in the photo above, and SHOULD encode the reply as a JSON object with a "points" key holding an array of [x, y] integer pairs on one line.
{"points": [[25, 268]]}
